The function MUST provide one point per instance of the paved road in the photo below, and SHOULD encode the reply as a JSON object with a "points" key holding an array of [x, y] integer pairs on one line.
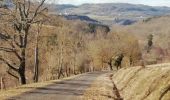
{"points": [[65, 90]]}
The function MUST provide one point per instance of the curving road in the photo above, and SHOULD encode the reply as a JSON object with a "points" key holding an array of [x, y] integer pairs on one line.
{"points": [[71, 89]]}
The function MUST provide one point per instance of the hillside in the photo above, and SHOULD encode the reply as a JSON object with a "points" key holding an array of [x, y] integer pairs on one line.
{"points": [[108, 13], [159, 28], [75, 46], [81, 18], [71, 52], [150, 83]]}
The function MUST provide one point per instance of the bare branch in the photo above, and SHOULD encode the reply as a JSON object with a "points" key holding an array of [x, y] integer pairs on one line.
{"points": [[9, 65], [21, 11], [37, 11], [16, 41], [24, 8], [4, 36], [13, 49], [44, 9], [15, 52], [29, 6], [12, 74], [6, 49]]}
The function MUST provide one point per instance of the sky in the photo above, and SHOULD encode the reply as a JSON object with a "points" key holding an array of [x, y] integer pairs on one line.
{"points": [[145, 2]]}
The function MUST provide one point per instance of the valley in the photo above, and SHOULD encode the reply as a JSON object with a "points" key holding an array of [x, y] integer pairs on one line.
{"points": [[108, 13], [91, 51]]}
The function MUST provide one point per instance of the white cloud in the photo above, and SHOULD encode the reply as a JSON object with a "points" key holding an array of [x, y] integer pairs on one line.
{"points": [[146, 2]]}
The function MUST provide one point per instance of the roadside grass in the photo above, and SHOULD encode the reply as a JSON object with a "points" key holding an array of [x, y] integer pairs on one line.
{"points": [[101, 89], [150, 83], [134, 83]]}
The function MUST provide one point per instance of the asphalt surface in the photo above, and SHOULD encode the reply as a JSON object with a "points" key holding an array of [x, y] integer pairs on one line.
{"points": [[71, 89]]}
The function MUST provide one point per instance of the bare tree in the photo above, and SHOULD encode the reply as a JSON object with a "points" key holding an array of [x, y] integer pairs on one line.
{"points": [[61, 64], [36, 66], [21, 17]]}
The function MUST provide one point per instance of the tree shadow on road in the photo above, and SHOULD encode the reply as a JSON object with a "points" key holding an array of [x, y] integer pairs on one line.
{"points": [[71, 87]]}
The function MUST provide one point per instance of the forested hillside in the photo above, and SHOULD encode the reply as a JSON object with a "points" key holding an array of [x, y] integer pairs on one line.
{"points": [[38, 46], [50, 52], [157, 27]]}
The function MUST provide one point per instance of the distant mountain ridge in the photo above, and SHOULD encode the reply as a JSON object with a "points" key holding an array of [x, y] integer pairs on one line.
{"points": [[108, 13]]}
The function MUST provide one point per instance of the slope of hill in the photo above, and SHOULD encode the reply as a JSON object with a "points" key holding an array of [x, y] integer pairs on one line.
{"points": [[108, 12], [159, 28], [150, 83]]}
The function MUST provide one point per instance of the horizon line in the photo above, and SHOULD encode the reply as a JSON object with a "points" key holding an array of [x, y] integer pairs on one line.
{"points": [[112, 3]]}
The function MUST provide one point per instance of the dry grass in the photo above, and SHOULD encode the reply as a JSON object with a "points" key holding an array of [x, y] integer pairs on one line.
{"points": [[101, 89], [151, 83]]}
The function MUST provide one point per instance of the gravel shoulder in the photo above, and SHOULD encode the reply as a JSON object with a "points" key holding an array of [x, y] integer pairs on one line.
{"points": [[101, 89]]}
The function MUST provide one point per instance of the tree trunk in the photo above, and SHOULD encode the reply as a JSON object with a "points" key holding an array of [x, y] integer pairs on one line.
{"points": [[36, 66], [110, 64], [111, 67], [67, 71], [60, 73], [2, 85], [21, 70], [74, 66], [22, 75], [131, 61]]}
